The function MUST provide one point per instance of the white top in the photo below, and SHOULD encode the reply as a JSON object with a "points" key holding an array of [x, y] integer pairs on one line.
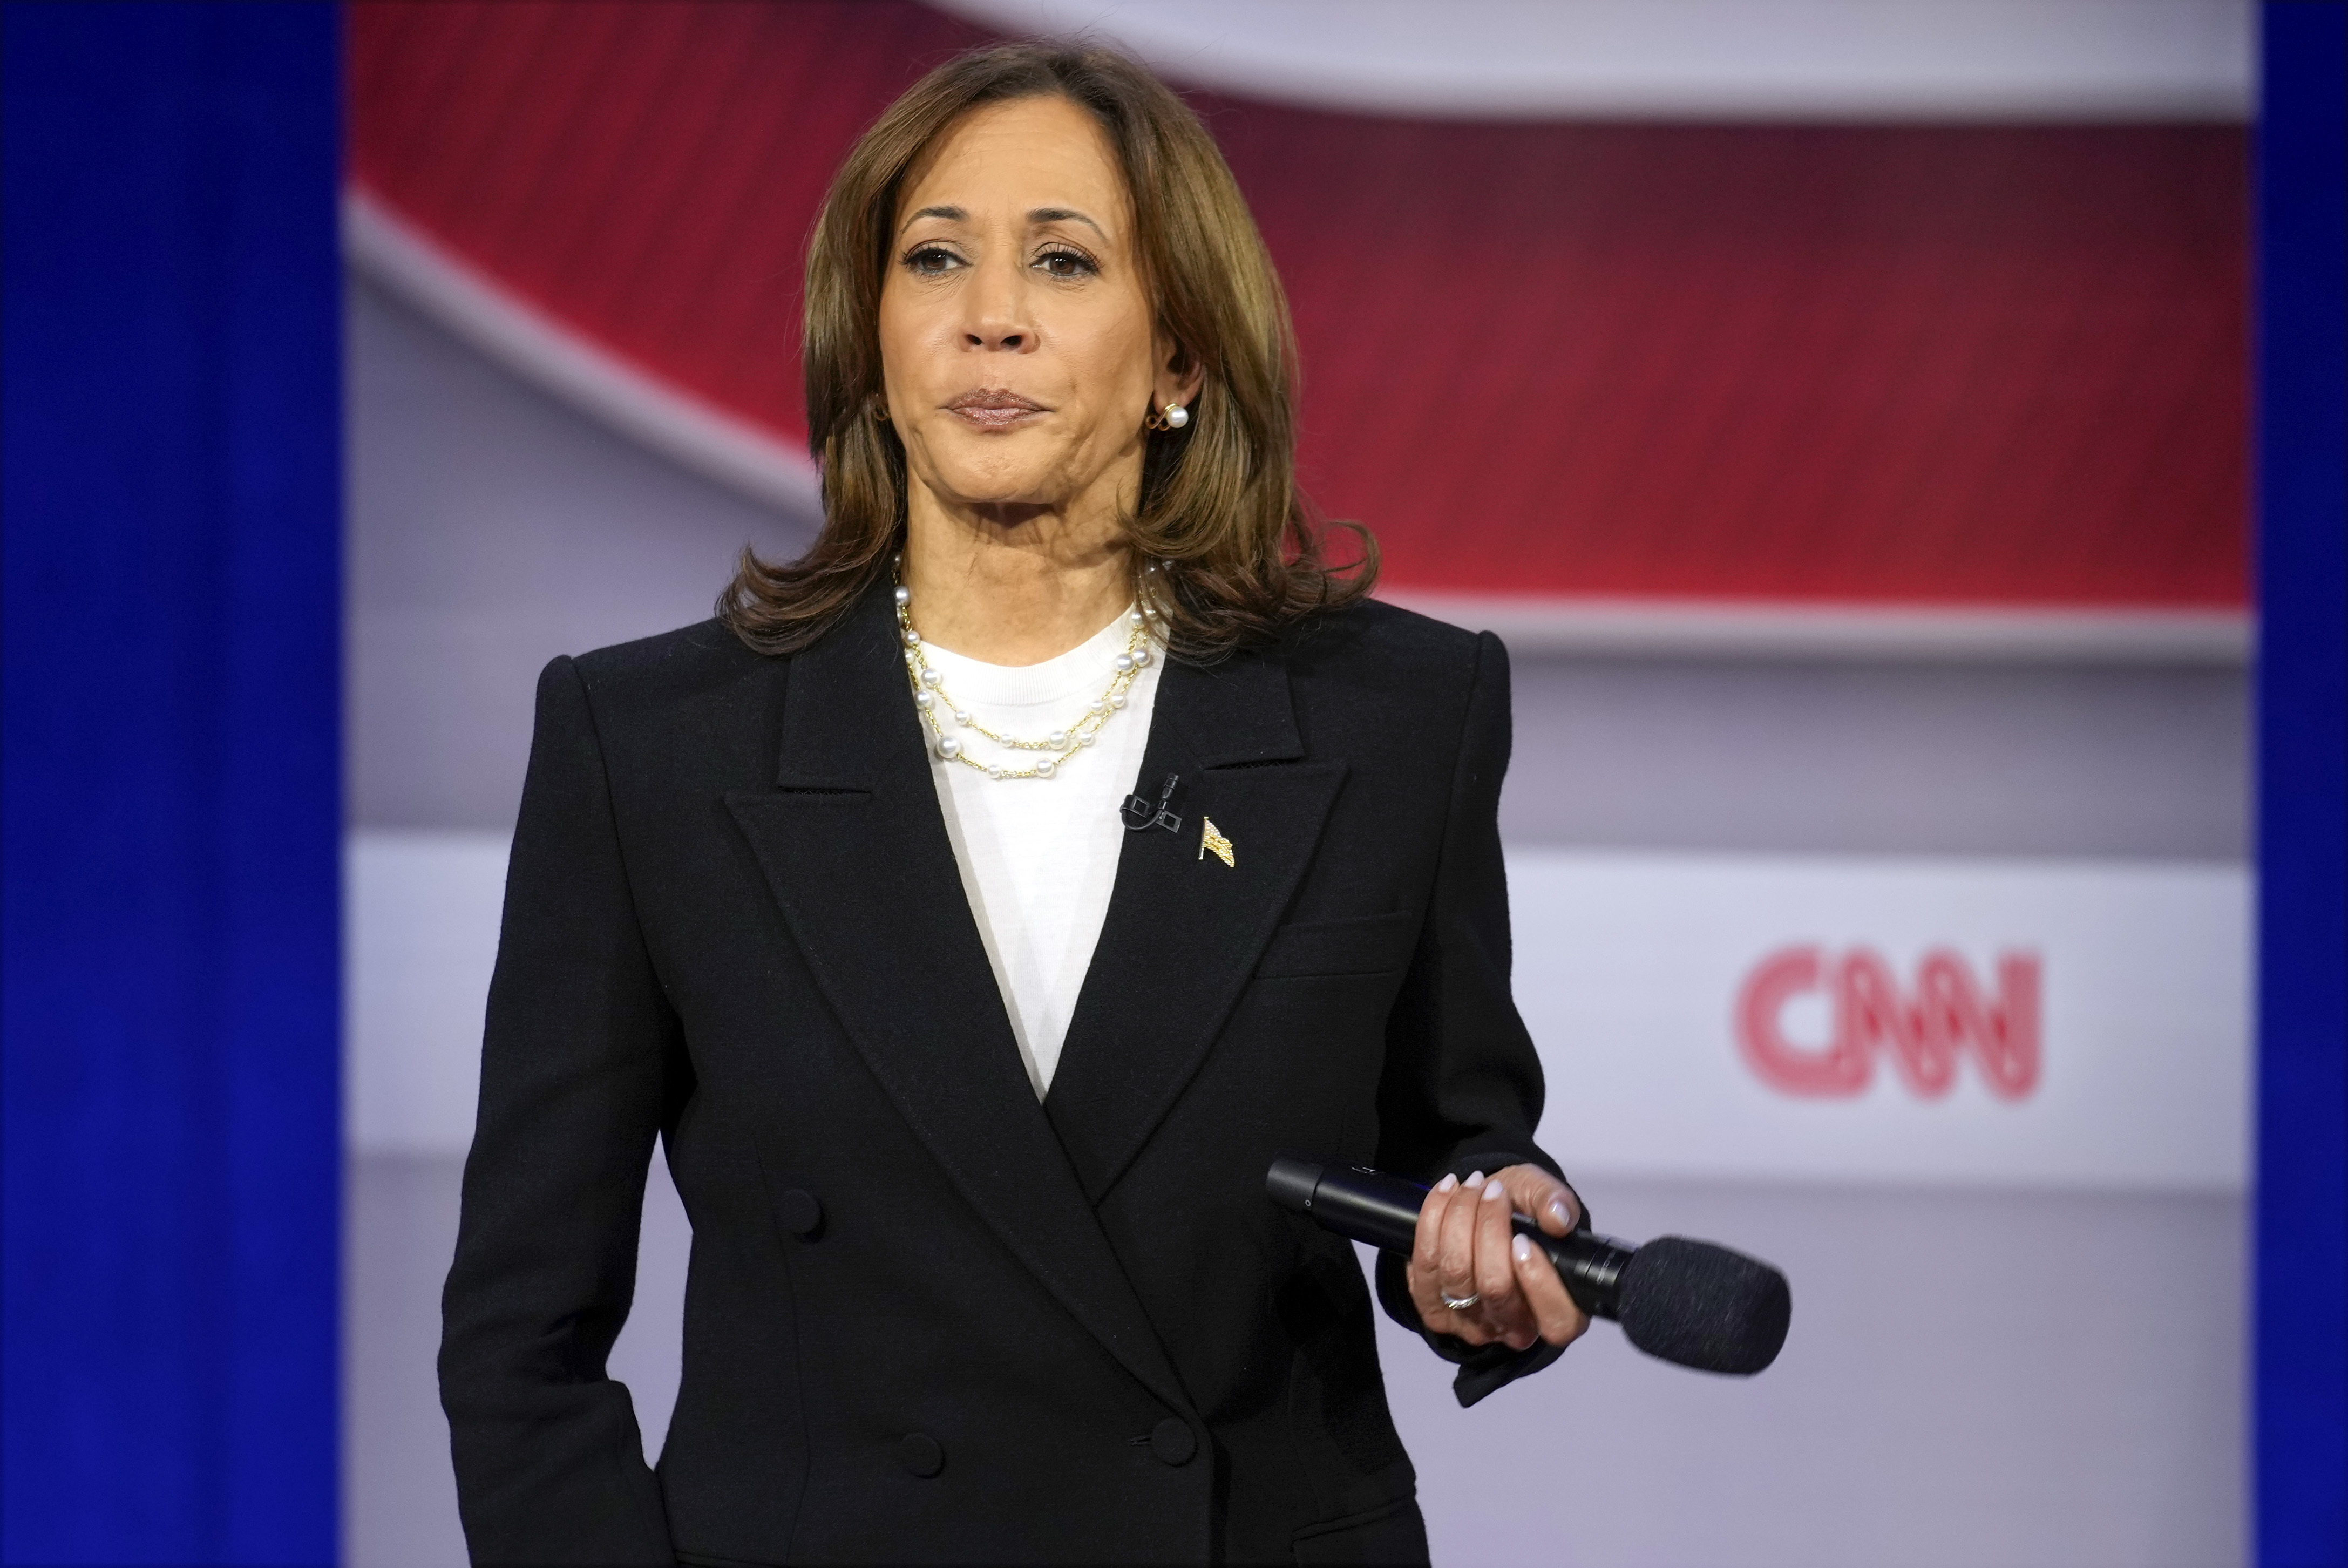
{"points": [[1038, 856]]}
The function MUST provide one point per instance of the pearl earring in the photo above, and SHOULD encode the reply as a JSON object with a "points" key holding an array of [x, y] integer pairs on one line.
{"points": [[1177, 416]]}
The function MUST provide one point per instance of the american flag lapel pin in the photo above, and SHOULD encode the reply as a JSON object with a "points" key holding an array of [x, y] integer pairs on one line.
{"points": [[1211, 840]]}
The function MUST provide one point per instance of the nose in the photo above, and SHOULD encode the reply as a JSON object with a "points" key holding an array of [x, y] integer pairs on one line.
{"points": [[999, 321]]}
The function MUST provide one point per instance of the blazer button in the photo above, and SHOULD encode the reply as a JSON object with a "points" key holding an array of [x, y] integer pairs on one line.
{"points": [[1173, 1442], [800, 1213], [920, 1454]]}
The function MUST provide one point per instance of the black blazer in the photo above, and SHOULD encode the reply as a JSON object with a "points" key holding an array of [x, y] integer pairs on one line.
{"points": [[927, 1318]]}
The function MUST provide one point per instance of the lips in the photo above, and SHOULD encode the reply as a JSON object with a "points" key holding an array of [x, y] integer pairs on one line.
{"points": [[994, 408]]}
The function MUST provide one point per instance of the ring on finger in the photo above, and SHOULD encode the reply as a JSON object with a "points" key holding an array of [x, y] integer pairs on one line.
{"points": [[1462, 1303]]}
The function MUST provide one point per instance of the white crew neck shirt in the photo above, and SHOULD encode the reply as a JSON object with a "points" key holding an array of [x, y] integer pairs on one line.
{"points": [[1038, 856]]}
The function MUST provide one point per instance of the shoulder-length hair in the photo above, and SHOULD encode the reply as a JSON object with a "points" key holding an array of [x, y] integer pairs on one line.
{"points": [[1238, 549]]}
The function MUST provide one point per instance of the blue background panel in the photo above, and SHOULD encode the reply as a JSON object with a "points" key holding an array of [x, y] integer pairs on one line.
{"points": [[2301, 1426], [171, 783]]}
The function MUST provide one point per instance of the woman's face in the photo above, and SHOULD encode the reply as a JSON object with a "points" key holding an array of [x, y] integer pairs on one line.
{"points": [[1017, 338]]}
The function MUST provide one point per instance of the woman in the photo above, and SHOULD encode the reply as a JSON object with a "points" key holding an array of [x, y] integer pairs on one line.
{"points": [[979, 906]]}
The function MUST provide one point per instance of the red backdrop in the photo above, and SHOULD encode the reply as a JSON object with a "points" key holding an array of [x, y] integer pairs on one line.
{"points": [[1891, 364]]}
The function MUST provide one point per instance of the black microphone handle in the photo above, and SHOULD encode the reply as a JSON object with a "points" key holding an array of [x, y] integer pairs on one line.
{"points": [[1371, 1206]]}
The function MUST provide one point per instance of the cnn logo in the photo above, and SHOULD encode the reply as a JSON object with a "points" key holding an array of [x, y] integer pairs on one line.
{"points": [[1924, 1029]]}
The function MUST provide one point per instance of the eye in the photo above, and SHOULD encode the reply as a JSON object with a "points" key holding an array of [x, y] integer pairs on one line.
{"points": [[1065, 262], [931, 261]]}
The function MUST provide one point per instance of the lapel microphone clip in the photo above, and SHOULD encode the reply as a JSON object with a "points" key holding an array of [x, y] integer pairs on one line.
{"points": [[1138, 813]]}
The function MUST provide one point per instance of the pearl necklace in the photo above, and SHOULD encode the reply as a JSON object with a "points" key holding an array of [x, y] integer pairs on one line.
{"points": [[929, 684]]}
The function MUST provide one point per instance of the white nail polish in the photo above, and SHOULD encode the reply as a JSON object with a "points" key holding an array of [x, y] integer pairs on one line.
{"points": [[1475, 1179], [1523, 1247], [1564, 1215], [1447, 1184], [1494, 1191]]}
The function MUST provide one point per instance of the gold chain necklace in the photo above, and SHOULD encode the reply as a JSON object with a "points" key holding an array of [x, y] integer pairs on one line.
{"points": [[929, 683]]}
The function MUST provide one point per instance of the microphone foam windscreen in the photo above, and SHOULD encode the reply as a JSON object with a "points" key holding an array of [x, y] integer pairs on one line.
{"points": [[1704, 1306]]}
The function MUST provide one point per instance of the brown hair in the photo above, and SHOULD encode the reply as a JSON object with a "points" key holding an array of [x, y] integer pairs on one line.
{"points": [[1237, 549]]}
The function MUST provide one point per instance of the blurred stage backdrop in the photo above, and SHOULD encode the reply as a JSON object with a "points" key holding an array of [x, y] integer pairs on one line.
{"points": [[1839, 408]]}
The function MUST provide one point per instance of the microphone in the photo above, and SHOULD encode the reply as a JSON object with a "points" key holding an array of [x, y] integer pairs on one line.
{"points": [[1689, 1303]]}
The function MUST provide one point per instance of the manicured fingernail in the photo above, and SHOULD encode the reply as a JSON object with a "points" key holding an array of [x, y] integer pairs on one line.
{"points": [[1475, 1179], [1494, 1190], [1448, 1183], [1523, 1247], [1564, 1215]]}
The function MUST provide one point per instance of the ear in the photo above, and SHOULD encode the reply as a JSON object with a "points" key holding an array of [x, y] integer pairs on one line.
{"points": [[1180, 375]]}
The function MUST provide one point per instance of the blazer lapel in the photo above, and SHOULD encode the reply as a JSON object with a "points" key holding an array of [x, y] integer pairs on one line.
{"points": [[854, 847], [1184, 931]]}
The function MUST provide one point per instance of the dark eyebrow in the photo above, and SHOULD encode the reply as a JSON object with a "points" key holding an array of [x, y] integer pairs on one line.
{"points": [[1062, 215], [951, 214]]}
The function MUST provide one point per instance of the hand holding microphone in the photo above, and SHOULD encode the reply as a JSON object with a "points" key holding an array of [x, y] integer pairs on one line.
{"points": [[1683, 1301], [1472, 1275]]}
